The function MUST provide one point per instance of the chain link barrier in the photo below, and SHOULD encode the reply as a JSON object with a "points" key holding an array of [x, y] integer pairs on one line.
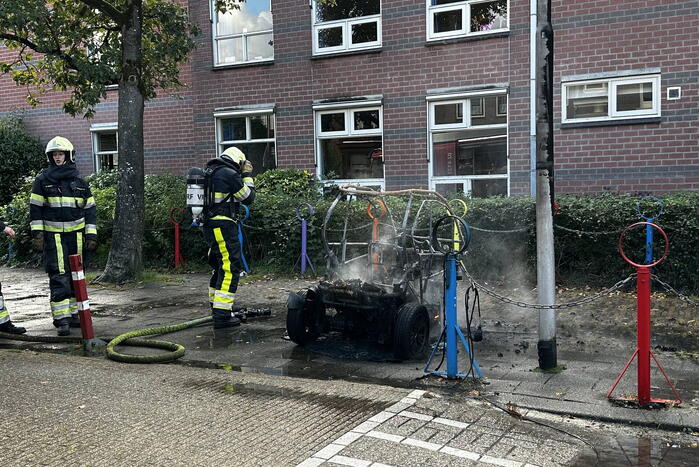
{"points": [[669, 288], [583, 232], [555, 306]]}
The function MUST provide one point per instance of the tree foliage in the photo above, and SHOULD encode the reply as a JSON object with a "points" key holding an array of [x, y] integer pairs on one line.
{"points": [[21, 156], [76, 46], [83, 46]]}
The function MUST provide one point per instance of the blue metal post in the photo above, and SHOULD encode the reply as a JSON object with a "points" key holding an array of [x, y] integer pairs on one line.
{"points": [[304, 255], [450, 314], [649, 242], [241, 239]]}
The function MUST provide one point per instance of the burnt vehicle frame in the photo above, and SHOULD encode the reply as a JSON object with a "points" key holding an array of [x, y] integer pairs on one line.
{"points": [[391, 305]]}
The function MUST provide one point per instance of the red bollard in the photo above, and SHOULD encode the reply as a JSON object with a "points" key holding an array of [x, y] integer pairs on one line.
{"points": [[643, 352], [80, 289], [179, 260]]}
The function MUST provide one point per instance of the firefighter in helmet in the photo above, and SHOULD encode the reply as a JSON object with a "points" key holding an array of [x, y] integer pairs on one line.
{"points": [[228, 182], [5, 321], [63, 223]]}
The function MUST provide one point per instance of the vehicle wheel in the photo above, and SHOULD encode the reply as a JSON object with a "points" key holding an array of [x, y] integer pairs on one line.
{"points": [[412, 332], [305, 322]]}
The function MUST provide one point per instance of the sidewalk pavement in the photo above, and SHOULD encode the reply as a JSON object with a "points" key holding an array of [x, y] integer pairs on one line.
{"points": [[508, 359]]}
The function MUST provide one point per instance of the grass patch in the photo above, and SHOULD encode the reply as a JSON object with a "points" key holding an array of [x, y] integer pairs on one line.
{"points": [[148, 277]]}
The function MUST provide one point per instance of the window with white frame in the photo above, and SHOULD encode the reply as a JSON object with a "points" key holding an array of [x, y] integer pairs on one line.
{"points": [[349, 144], [454, 18], [468, 144], [243, 35], [252, 133], [346, 25], [105, 147], [611, 99]]}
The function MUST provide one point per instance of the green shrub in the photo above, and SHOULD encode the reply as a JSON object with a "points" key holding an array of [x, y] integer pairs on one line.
{"points": [[21, 156], [502, 248]]}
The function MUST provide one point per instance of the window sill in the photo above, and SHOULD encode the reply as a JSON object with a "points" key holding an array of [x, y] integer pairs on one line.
{"points": [[243, 65], [457, 40], [617, 122], [346, 53]]}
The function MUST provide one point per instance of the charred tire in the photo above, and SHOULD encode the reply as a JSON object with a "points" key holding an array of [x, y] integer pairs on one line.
{"points": [[412, 332], [305, 324]]}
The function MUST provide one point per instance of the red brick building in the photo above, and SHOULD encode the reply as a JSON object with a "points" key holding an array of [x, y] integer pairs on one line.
{"points": [[405, 93]]}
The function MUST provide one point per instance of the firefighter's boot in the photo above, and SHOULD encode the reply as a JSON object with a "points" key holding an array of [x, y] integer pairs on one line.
{"points": [[224, 319], [74, 321], [62, 326], [10, 328]]}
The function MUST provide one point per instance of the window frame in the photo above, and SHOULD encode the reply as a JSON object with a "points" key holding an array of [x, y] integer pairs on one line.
{"points": [[465, 7], [215, 38], [95, 131], [612, 84], [319, 136], [247, 114], [346, 26], [465, 180]]}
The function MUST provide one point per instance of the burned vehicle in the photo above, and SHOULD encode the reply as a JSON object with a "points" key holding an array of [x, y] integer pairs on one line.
{"points": [[385, 278]]}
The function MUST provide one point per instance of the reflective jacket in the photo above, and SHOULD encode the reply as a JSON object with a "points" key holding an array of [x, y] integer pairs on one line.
{"points": [[62, 202], [225, 188]]}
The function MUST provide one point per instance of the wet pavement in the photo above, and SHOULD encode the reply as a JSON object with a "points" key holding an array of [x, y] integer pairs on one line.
{"points": [[507, 357]]}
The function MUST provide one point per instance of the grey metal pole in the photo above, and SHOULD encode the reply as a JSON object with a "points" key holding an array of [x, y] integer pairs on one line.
{"points": [[545, 268]]}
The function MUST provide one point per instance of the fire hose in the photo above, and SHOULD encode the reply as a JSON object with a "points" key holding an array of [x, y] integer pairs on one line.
{"points": [[175, 351]]}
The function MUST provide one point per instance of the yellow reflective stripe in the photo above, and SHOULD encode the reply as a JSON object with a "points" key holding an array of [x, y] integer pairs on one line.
{"points": [[80, 243], [90, 229], [37, 200], [4, 315], [60, 310], [221, 218], [249, 181], [73, 228], [218, 197], [90, 202], [59, 253], [242, 193], [36, 225], [227, 274], [72, 305]]}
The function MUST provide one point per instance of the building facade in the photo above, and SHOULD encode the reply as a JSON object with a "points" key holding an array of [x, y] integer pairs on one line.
{"points": [[421, 93]]}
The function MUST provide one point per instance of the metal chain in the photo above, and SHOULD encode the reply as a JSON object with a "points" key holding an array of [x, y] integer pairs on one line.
{"points": [[556, 306], [522, 229], [582, 232], [670, 289]]}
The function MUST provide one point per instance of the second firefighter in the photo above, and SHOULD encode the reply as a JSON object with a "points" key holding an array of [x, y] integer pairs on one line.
{"points": [[228, 182]]}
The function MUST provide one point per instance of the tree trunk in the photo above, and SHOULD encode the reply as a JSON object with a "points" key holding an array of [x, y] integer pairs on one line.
{"points": [[125, 256]]}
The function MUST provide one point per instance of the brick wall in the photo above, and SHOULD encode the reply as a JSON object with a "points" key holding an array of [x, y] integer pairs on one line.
{"points": [[606, 36], [595, 36]]}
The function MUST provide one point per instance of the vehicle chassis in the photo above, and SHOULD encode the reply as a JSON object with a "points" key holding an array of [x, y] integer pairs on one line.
{"points": [[391, 307]]}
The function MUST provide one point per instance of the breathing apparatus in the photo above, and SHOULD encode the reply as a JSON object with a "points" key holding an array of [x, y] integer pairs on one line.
{"points": [[195, 193], [197, 180]]}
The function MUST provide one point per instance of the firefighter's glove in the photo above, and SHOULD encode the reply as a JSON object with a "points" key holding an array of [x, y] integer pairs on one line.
{"points": [[91, 245], [246, 170], [38, 242]]}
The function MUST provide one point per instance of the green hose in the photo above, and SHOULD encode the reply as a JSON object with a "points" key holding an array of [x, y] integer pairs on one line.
{"points": [[175, 350]]}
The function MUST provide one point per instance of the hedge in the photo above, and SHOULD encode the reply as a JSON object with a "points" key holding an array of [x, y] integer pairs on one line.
{"points": [[503, 246]]}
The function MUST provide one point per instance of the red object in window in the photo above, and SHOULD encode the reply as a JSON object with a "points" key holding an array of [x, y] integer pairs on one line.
{"points": [[445, 158], [376, 153]]}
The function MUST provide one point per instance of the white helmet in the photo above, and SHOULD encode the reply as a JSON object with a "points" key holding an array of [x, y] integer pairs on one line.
{"points": [[59, 143], [234, 154]]}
